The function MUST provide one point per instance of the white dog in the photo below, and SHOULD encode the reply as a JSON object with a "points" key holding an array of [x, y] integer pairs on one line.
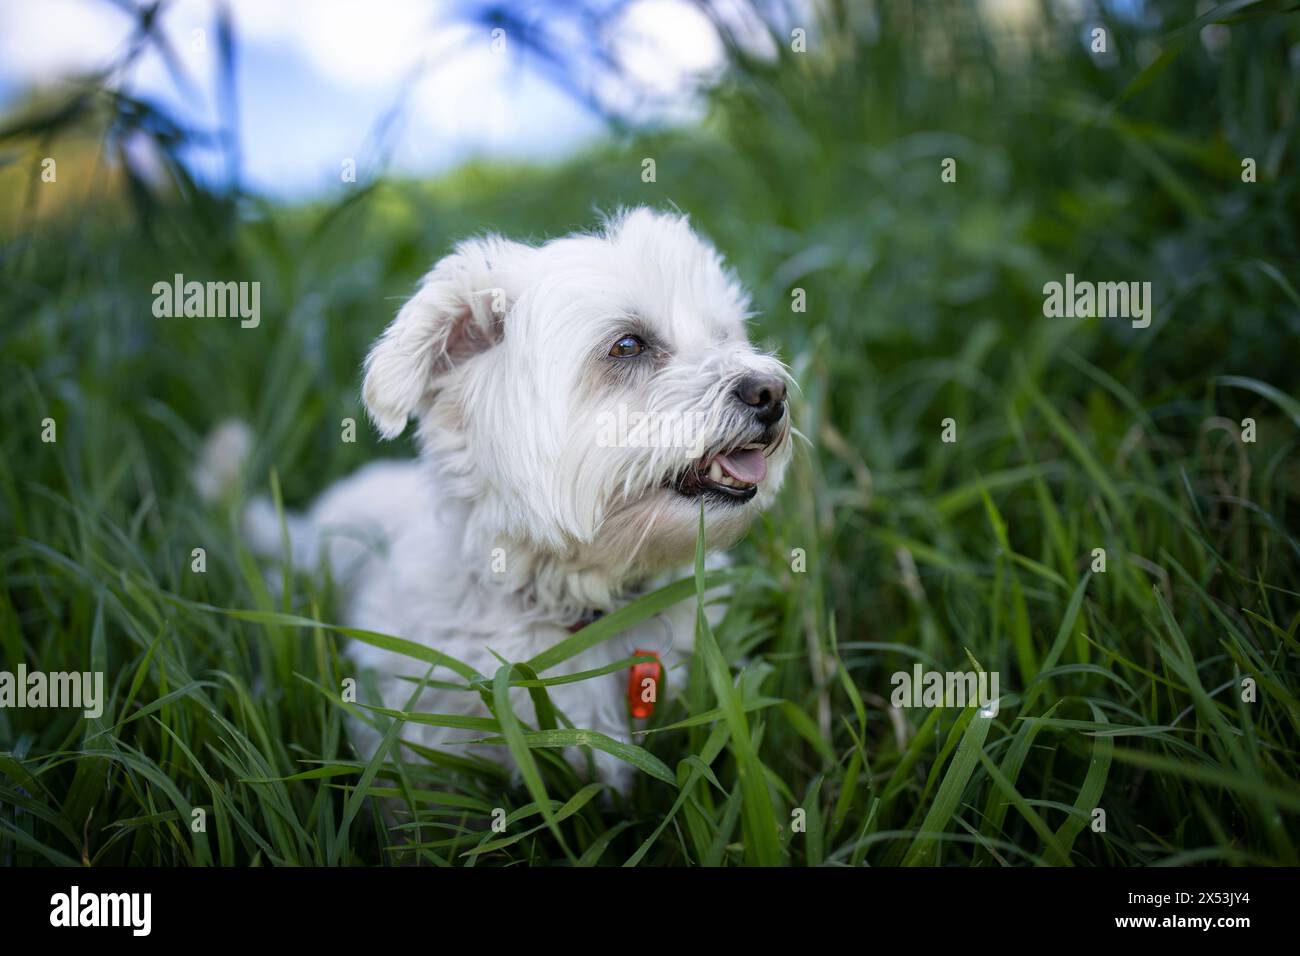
{"points": [[576, 402]]}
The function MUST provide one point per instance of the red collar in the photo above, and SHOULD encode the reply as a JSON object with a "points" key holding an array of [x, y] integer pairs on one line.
{"points": [[643, 680], [588, 617]]}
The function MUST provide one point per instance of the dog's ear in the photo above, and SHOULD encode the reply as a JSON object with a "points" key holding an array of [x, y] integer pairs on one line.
{"points": [[459, 311]]}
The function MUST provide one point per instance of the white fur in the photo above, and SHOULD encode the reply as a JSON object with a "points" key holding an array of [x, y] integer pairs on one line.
{"points": [[507, 405]]}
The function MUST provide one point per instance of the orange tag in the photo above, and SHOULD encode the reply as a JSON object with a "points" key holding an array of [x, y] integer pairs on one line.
{"points": [[643, 683]]}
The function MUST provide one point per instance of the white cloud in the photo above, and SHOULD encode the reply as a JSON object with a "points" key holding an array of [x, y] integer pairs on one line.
{"points": [[41, 42], [667, 45], [370, 44]]}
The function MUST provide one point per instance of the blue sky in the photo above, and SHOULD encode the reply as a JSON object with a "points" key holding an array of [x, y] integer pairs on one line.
{"points": [[316, 76]]}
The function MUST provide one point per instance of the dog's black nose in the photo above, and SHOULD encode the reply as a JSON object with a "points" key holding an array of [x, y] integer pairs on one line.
{"points": [[765, 394]]}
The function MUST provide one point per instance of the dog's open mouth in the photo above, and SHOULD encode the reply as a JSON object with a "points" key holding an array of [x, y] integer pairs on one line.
{"points": [[729, 476]]}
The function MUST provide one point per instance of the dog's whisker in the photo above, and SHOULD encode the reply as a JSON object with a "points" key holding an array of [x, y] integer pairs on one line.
{"points": [[649, 527]]}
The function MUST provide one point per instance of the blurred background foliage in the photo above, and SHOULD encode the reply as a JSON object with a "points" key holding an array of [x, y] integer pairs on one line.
{"points": [[817, 171]]}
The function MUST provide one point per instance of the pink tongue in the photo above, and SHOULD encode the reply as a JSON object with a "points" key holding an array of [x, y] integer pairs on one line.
{"points": [[748, 466]]}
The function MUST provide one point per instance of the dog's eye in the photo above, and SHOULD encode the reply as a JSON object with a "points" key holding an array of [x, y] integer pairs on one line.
{"points": [[626, 347]]}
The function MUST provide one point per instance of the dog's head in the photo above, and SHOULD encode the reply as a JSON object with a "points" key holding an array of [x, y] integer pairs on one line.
{"points": [[587, 395]]}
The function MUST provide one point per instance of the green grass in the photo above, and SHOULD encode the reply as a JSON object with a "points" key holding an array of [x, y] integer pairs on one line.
{"points": [[1122, 687]]}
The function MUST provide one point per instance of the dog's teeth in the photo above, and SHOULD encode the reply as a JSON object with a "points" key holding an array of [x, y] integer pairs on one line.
{"points": [[753, 444], [715, 471]]}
